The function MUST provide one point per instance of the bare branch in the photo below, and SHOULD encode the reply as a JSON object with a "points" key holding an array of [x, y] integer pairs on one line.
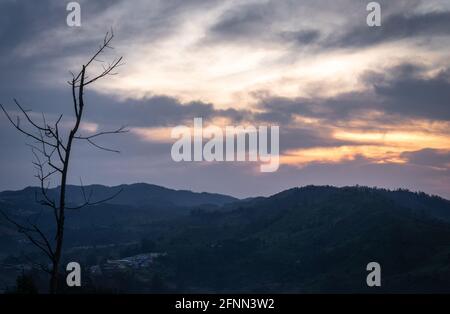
{"points": [[45, 247], [18, 127], [28, 117], [108, 37], [88, 203], [120, 130], [102, 148], [106, 71]]}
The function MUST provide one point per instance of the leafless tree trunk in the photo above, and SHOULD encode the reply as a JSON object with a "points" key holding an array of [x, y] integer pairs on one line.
{"points": [[52, 153]]}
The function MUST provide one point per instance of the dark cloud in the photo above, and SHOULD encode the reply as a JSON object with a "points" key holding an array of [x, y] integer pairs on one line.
{"points": [[333, 109], [155, 111], [26, 22], [404, 90], [20, 24], [25, 26], [412, 94], [265, 22], [282, 110], [301, 37], [23, 22], [394, 27], [260, 22], [242, 21], [106, 110], [429, 157], [294, 137]]}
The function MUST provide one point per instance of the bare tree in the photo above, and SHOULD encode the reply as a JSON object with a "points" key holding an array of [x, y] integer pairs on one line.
{"points": [[52, 153]]}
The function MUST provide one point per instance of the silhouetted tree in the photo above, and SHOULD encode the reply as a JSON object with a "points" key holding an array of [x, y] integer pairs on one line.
{"points": [[52, 152]]}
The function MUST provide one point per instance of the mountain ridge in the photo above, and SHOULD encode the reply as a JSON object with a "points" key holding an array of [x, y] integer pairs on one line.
{"points": [[304, 239], [137, 190]]}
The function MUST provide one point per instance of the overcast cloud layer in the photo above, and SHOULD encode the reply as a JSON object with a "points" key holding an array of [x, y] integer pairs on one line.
{"points": [[355, 104]]}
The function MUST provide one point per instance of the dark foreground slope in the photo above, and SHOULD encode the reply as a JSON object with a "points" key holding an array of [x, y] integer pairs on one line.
{"points": [[310, 239], [317, 239]]}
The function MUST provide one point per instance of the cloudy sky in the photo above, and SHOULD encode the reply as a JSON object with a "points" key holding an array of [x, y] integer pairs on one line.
{"points": [[355, 104]]}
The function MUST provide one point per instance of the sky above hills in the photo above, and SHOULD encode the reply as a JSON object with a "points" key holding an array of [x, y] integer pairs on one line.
{"points": [[355, 104]]}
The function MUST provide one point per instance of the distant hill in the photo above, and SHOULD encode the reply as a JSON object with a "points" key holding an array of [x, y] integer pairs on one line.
{"points": [[138, 195], [106, 222], [319, 239], [308, 239]]}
